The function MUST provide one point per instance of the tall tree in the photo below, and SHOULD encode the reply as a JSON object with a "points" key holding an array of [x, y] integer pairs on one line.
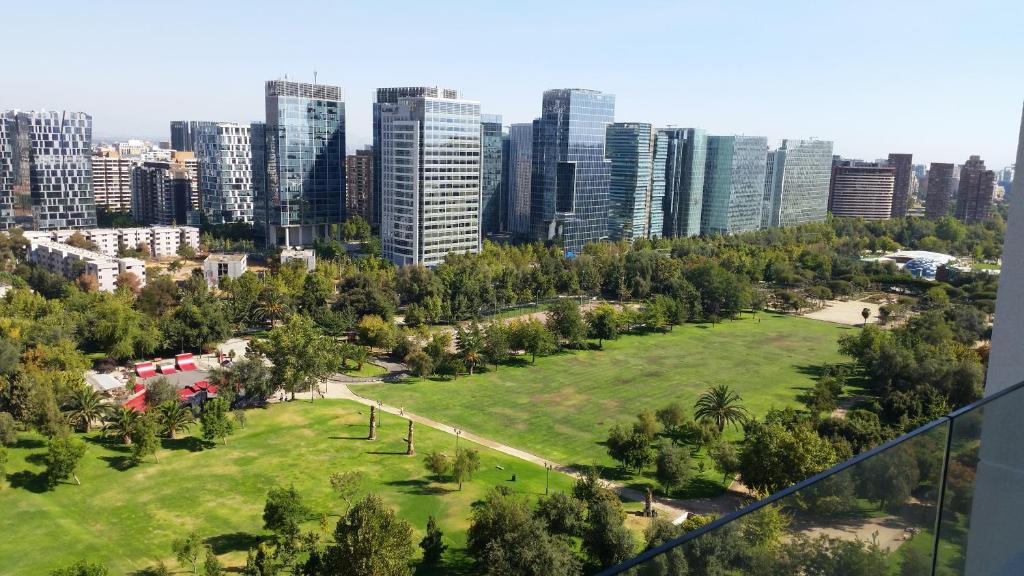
{"points": [[370, 541], [566, 322], [604, 323], [673, 467], [84, 406], [301, 354], [62, 459], [144, 440], [433, 544], [720, 405], [188, 549], [606, 539], [122, 424], [216, 422], [283, 512], [465, 464], [172, 418]]}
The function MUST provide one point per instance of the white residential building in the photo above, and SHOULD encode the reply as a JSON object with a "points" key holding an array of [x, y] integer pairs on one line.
{"points": [[72, 262], [162, 241], [112, 180], [219, 266], [224, 153]]}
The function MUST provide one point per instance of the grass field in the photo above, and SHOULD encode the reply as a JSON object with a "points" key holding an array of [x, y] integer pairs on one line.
{"points": [[368, 370], [562, 407], [127, 518]]}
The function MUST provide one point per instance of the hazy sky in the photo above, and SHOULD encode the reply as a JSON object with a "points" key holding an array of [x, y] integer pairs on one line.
{"points": [[939, 79]]}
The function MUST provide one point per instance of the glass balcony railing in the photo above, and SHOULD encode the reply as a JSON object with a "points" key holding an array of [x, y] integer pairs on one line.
{"points": [[946, 499]]}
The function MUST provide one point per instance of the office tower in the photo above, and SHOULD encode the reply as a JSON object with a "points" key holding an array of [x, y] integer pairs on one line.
{"points": [[182, 135], [630, 149], [863, 190], [224, 152], [904, 173], [685, 156], [391, 96], [112, 180], [430, 178], [166, 192], [15, 193], [359, 183], [769, 189], [258, 161], [492, 211], [801, 173], [303, 192], [656, 205], [974, 195], [519, 170], [1018, 167], [940, 190], [569, 187], [733, 184]]}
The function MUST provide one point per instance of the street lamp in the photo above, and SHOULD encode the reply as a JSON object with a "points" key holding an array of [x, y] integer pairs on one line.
{"points": [[547, 477], [458, 434]]}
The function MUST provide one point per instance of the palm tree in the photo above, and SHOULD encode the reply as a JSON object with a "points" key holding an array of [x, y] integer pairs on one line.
{"points": [[721, 406], [272, 308], [84, 406], [123, 424], [174, 418], [866, 313], [472, 358]]}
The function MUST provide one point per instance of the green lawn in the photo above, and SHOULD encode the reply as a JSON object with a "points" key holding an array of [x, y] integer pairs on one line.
{"points": [[128, 518], [562, 407], [368, 370]]}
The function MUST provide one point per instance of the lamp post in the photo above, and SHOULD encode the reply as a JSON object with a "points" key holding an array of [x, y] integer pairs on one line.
{"points": [[458, 434], [547, 477]]}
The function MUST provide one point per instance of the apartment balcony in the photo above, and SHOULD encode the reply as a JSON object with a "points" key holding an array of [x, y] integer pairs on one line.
{"points": [[945, 499]]}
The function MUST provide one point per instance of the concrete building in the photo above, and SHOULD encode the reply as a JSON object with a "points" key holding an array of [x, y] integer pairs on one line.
{"points": [[307, 257], [359, 183], [518, 172], [166, 192], [862, 190], [631, 195], [112, 180], [801, 172], [72, 263], [940, 190], [162, 241], [224, 152], [430, 178], [974, 195], [733, 184], [216, 267], [182, 135], [902, 194], [492, 208], [686, 152]]}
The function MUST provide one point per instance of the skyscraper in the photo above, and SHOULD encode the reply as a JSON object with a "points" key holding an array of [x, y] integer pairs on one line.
{"points": [[940, 190], [801, 174], [519, 164], [164, 192], [112, 180], [733, 184], [430, 178], [903, 166], [569, 187], [224, 152], [305, 163], [492, 211], [974, 194], [685, 156], [182, 138], [862, 190], [359, 183], [769, 189], [15, 189], [1018, 167], [391, 96], [630, 149]]}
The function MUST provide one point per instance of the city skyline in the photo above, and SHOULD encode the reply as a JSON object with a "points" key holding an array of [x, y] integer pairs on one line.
{"points": [[138, 98]]}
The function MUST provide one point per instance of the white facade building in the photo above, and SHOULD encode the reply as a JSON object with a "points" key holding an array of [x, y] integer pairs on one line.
{"points": [[162, 241], [224, 153], [112, 180], [72, 262], [219, 266]]}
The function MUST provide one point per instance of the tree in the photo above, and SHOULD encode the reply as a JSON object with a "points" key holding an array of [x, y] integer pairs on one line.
{"points": [[606, 540], [465, 464], [438, 464], [671, 416], [215, 422], [144, 440], [375, 332], [774, 457], [631, 448], [566, 323], [188, 549], [533, 337], [62, 459], [172, 418], [8, 429], [419, 363], [673, 467], [211, 565], [495, 343], [84, 407], [604, 323], [562, 514], [282, 514], [301, 354], [720, 405], [647, 424], [346, 484], [160, 391], [433, 544], [3, 465], [122, 424], [128, 283], [370, 541], [186, 251], [726, 458], [81, 568]]}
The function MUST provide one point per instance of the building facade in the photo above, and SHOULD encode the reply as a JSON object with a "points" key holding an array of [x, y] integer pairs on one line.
{"points": [[166, 192], [974, 195], [801, 173], [430, 178], [733, 184], [359, 183], [631, 196], [182, 135], [518, 173], [15, 188], [112, 180], [685, 156], [224, 152], [940, 190], [304, 192], [569, 187], [862, 190], [72, 263], [903, 165], [492, 209]]}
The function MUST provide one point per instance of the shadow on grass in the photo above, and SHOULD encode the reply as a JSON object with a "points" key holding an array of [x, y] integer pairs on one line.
{"points": [[347, 437], [36, 459], [29, 443], [382, 453], [233, 542], [703, 488], [421, 487], [190, 443], [456, 562], [31, 481], [118, 462]]}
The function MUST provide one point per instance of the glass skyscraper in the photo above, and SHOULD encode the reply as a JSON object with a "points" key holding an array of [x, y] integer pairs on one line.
{"points": [[630, 149], [685, 155], [734, 184], [492, 211], [802, 172], [569, 188], [304, 189], [519, 167], [430, 179]]}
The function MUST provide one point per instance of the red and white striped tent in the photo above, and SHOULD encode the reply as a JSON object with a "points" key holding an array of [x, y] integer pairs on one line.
{"points": [[145, 369], [167, 369], [185, 362]]}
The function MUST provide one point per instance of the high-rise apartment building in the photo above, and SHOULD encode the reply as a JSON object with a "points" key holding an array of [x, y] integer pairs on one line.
{"points": [[631, 193], [303, 191], [182, 135], [166, 192], [112, 180], [430, 178], [733, 184], [224, 152], [769, 189], [391, 96], [359, 183], [801, 173], [903, 166], [46, 170], [518, 174], [974, 194], [569, 187], [940, 190], [492, 209], [685, 156], [863, 189]]}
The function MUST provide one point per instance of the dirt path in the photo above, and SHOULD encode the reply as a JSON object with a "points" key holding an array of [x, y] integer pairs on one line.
{"points": [[845, 312]]}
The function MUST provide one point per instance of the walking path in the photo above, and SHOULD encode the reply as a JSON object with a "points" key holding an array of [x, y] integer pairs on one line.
{"points": [[677, 510]]}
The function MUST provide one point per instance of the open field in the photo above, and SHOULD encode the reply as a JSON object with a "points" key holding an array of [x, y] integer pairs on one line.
{"points": [[127, 518], [562, 407], [369, 370]]}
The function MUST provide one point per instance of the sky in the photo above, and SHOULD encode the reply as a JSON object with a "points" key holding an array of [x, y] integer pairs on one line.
{"points": [[942, 80]]}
